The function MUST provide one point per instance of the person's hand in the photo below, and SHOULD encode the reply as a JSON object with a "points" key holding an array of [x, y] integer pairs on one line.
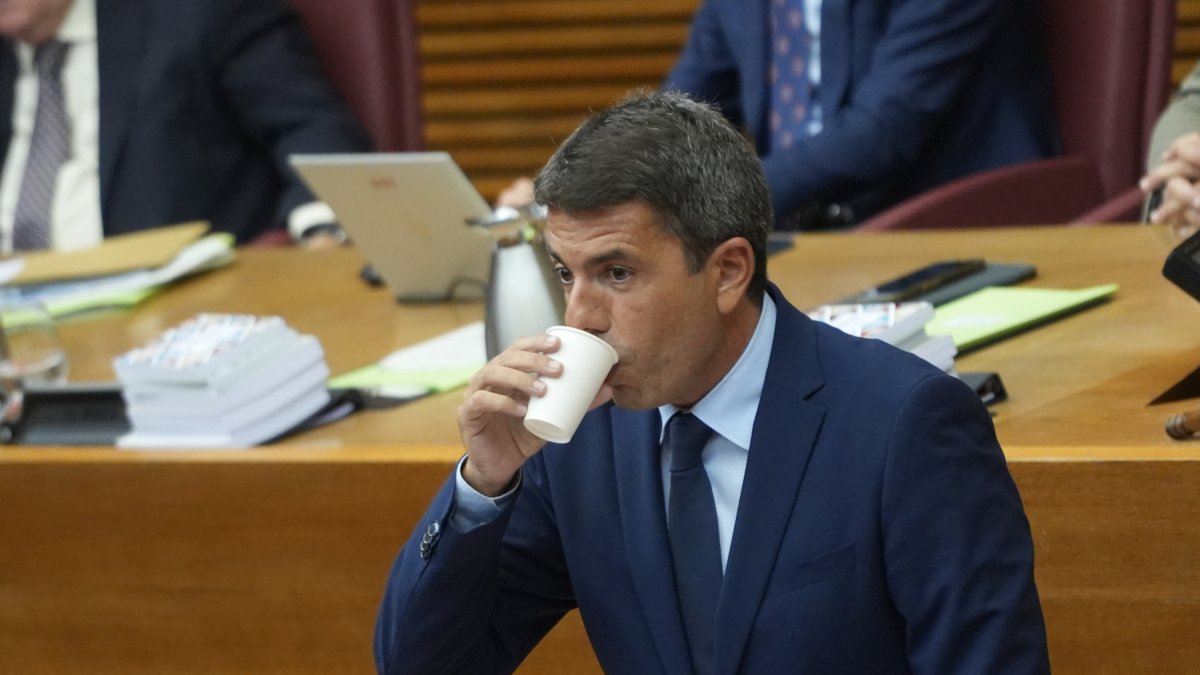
{"points": [[490, 417], [321, 241], [520, 193], [323, 236], [1177, 176]]}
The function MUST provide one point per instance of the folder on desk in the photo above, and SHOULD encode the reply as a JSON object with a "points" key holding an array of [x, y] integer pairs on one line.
{"points": [[995, 313], [121, 271], [148, 249]]}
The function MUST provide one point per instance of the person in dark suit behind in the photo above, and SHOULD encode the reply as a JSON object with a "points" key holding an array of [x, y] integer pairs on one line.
{"points": [[165, 111], [842, 506], [854, 106]]}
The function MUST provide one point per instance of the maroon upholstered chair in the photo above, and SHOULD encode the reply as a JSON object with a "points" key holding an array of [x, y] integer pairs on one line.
{"points": [[1111, 63], [368, 49]]}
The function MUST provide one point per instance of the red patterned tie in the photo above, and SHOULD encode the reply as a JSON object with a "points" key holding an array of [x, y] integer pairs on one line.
{"points": [[791, 88]]}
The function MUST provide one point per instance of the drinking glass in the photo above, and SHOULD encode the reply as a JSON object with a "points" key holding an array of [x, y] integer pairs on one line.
{"points": [[31, 354]]}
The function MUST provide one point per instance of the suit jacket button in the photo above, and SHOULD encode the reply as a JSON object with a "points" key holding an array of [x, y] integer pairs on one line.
{"points": [[429, 538]]}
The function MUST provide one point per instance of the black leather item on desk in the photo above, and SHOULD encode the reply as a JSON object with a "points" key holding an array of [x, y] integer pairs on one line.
{"points": [[988, 385], [94, 414], [994, 274], [819, 217], [370, 275], [72, 414]]}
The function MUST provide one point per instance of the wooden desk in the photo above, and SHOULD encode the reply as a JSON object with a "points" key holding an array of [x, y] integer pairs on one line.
{"points": [[272, 560]]}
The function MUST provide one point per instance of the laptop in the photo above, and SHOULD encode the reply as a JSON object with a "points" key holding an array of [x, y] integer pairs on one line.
{"points": [[407, 212]]}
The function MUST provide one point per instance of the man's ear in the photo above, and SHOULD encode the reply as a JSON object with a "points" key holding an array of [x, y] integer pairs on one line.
{"points": [[732, 265]]}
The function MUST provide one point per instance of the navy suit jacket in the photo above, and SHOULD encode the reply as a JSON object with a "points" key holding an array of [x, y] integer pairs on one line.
{"points": [[914, 94], [878, 532], [201, 102]]}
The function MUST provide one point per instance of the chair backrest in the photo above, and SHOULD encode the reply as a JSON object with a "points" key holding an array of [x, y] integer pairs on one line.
{"points": [[1111, 62], [368, 49]]}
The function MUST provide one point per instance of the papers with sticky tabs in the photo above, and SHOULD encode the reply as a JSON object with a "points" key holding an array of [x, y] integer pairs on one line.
{"points": [[995, 313], [221, 380], [888, 321], [439, 364]]}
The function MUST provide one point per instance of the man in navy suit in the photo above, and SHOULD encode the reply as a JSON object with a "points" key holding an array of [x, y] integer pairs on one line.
{"points": [[177, 110], [860, 515], [854, 106]]}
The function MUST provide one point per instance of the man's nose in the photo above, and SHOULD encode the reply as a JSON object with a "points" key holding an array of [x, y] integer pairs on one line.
{"points": [[586, 309]]}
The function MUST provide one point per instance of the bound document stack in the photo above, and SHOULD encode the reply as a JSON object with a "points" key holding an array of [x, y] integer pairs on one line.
{"points": [[221, 380], [899, 324]]}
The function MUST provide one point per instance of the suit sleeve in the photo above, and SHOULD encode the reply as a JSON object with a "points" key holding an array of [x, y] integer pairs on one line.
{"points": [[1180, 118], [707, 70], [475, 601], [267, 69], [957, 545]]}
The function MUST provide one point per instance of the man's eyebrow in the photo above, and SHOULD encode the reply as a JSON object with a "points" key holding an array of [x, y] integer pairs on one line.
{"points": [[609, 256], [599, 259]]}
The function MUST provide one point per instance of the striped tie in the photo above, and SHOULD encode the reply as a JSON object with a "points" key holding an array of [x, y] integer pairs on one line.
{"points": [[49, 148]]}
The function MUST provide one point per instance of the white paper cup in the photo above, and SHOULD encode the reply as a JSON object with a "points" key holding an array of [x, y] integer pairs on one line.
{"points": [[586, 360]]}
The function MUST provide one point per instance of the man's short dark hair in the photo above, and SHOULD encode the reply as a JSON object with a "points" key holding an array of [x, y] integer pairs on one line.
{"points": [[679, 157]]}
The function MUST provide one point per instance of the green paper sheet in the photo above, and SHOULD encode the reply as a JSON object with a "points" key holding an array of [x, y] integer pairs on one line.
{"points": [[995, 313]]}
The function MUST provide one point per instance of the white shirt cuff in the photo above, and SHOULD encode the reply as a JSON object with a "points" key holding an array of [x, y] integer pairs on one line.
{"points": [[307, 215], [473, 508]]}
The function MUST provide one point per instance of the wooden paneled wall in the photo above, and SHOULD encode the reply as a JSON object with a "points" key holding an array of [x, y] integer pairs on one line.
{"points": [[1187, 39], [505, 80]]}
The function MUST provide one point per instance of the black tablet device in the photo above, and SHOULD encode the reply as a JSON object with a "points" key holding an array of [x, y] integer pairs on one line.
{"points": [[1183, 265]]}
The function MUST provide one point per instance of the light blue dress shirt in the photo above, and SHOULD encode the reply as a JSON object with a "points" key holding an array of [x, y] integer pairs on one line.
{"points": [[729, 410], [812, 22]]}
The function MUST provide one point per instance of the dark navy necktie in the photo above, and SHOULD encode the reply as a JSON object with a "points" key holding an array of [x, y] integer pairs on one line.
{"points": [[791, 88], [695, 542], [48, 149]]}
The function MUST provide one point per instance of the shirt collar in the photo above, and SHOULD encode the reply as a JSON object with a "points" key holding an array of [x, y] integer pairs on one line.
{"points": [[79, 25], [729, 409]]}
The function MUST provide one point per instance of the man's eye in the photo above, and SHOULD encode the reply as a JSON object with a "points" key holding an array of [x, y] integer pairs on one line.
{"points": [[619, 274], [564, 275]]}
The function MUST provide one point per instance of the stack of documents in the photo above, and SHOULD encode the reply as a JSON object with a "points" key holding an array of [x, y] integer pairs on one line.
{"points": [[899, 324], [221, 380]]}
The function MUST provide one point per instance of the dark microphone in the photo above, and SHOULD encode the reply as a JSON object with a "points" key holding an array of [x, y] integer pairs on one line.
{"points": [[1184, 425]]}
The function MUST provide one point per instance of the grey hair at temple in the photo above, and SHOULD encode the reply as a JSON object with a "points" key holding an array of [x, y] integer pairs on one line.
{"points": [[679, 157]]}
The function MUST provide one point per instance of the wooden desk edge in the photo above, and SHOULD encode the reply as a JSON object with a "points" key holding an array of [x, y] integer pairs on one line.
{"points": [[282, 454], [1184, 451]]}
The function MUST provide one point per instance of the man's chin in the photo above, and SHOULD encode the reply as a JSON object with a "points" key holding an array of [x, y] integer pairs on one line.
{"points": [[628, 399]]}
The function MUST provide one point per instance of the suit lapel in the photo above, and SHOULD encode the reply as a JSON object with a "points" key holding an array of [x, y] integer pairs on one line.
{"points": [[754, 37], [120, 45], [785, 430], [643, 518], [836, 57], [8, 83]]}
